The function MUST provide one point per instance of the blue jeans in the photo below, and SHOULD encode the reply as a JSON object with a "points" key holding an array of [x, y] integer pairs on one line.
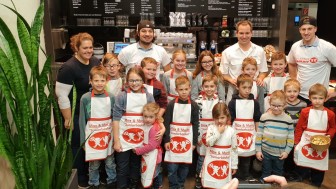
{"points": [[157, 181], [199, 165], [110, 168], [271, 165], [243, 171], [128, 166], [177, 174]]}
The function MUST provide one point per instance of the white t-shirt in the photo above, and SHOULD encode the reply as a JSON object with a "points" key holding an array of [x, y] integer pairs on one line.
{"points": [[313, 63], [233, 56], [133, 54]]}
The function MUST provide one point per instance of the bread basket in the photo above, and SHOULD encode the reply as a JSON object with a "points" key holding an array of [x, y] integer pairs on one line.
{"points": [[320, 142]]}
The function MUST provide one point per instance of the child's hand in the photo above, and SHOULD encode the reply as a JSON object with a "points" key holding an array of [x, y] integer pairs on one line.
{"points": [[260, 156], [159, 134], [233, 171], [283, 155], [193, 147], [221, 128], [200, 142], [117, 146], [260, 82], [133, 150], [233, 81], [167, 146]]}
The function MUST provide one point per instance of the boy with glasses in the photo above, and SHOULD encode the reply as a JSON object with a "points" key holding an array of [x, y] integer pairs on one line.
{"points": [[275, 136]]}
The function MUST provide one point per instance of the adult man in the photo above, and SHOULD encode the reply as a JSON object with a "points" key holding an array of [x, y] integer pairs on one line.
{"points": [[233, 56], [132, 55], [310, 59]]}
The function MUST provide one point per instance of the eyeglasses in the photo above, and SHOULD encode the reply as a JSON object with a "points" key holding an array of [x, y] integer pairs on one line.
{"points": [[109, 66], [135, 81], [207, 62], [277, 106]]}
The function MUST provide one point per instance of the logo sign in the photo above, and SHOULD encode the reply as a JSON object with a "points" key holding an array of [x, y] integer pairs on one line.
{"points": [[143, 165], [179, 145], [204, 139], [244, 140], [133, 135], [313, 60], [310, 153], [218, 169], [99, 141]]}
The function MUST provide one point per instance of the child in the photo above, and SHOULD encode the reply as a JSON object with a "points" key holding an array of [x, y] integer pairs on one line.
{"points": [[206, 101], [95, 121], [221, 159], [275, 136], [154, 86], [250, 67], [182, 123], [179, 59], [151, 151], [128, 129], [314, 120], [277, 78], [293, 109], [115, 82], [206, 66], [245, 115]]}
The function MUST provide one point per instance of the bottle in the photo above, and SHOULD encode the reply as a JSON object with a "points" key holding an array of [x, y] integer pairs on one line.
{"points": [[202, 47], [213, 47], [224, 21]]}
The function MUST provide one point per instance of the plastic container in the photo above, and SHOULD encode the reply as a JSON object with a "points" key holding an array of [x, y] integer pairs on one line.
{"points": [[320, 142]]}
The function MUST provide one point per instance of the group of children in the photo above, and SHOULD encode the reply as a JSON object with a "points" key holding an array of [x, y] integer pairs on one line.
{"points": [[187, 111]]}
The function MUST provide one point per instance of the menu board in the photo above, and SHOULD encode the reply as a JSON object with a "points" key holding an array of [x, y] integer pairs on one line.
{"points": [[100, 8], [218, 8]]}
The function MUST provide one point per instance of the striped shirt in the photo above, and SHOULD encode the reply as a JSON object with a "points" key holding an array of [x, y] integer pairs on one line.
{"points": [[275, 134], [294, 110]]}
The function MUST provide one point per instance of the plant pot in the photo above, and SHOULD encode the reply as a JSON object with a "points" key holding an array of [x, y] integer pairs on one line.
{"points": [[73, 181]]}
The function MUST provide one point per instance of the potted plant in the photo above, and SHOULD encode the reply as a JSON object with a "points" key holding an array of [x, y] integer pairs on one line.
{"points": [[27, 104]]}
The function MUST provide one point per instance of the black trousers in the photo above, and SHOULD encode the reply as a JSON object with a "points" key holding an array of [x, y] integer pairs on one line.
{"points": [[314, 175], [128, 167]]}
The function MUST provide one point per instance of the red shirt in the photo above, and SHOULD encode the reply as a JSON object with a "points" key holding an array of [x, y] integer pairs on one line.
{"points": [[303, 123]]}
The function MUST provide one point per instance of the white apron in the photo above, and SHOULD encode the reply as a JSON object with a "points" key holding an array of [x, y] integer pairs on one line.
{"points": [[254, 90], [131, 126], [205, 121], [276, 83], [98, 130], [148, 164], [216, 170], [172, 88], [181, 135], [245, 127], [304, 154], [114, 86], [150, 87]]}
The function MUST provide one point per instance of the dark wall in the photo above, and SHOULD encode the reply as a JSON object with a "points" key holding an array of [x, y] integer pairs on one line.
{"points": [[325, 15]]}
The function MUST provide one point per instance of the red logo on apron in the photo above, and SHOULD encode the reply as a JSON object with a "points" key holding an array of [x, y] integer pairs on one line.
{"points": [[244, 140], [310, 153], [204, 139], [100, 141], [179, 144], [313, 60], [218, 169], [133, 135], [143, 165]]}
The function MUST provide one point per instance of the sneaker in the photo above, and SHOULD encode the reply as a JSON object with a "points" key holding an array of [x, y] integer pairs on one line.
{"points": [[198, 183], [83, 185]]}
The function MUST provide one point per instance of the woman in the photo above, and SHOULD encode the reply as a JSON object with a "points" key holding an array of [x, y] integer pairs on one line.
{"points": [[75, 73]]}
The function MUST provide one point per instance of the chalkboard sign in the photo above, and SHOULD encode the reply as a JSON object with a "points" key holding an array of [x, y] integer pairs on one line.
{"points": [[106, 8], [218, 8]]}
